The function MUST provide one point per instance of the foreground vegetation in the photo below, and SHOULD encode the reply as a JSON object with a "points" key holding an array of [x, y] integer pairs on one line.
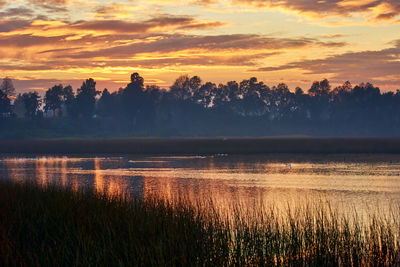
{"points": [[54, 226]]}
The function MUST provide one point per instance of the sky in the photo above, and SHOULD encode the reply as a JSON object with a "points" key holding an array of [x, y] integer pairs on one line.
{"points": [[48, 42]]}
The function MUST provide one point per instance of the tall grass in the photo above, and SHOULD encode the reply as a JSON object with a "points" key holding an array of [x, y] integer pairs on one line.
{"points": [[55, 226]]}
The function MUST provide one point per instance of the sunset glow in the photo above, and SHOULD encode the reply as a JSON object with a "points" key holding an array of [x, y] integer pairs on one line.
{"points": [[47, 42]]}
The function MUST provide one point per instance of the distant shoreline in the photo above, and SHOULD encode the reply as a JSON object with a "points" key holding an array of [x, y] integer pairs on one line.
{"points": [[204, 146]]}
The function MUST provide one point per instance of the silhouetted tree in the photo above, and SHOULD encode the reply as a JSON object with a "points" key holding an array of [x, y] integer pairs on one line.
{"points": [[196, 108], [319, 103], [365, 93], [249, 100], [69, 101], [298, 91], [155, 92], [5, 104], [342, 103], [32, 104], [321, 88], [7, 87], [136, 103], [194, 83], [222, 96], [86, 98], [342, 90], [53, 99], [233, 88], [106, 105], [184, 87], [205, 95], [19, 106]]}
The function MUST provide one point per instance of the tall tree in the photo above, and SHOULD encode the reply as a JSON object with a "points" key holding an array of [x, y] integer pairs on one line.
{"points": [[105, 105], [32, 104], [59, 99], [195, 83], [53, 99], [19, 106], [134, 100], [181, 88], [205, 94], [69, 100], [320, 107], [321, 88], [5, 104], [86, 98], [7, 87]]}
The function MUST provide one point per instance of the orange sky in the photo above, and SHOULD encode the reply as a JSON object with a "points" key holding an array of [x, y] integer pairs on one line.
{"points": [[44, 42]]}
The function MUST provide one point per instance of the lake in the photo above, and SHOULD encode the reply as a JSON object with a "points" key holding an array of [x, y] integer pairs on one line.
{"points": [[365, 183]]}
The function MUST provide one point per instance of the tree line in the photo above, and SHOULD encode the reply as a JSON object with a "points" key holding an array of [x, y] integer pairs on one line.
{"points": [[194, 107]]}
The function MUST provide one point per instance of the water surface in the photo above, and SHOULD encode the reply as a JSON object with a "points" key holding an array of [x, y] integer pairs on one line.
{"points": [[363, 183]]}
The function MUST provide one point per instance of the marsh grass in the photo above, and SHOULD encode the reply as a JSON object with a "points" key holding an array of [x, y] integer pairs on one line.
{"points": [[61, 227]]}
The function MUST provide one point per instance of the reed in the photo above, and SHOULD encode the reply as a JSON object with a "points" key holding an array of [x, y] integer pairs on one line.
{"points": [[41, 226]]}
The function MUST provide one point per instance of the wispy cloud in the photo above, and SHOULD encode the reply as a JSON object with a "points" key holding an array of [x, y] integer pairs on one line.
{"points": [[171, 22], [180, 42], [7, 25], [375, 9], [17, 12], [376, 66]]}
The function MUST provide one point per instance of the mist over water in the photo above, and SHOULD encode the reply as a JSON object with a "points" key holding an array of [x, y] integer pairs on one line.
{"points": [[364, 183]]}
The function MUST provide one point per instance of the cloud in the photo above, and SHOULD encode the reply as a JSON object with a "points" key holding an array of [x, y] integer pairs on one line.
{"points": [[75, 48], [28, 40], [24, 85], [2, 3], [178, 22], [17, 12], [27, 84], [202, 25], [89, 35], [379, 66], [378, 9], [201, 60], [148, 63], [179, 42], [334, 36], [116, 43], [48, 2], [7, 25], [50, 5]]}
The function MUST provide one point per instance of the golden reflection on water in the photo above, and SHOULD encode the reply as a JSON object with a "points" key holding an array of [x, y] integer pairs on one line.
{"points": [[108, 183], [41, 171], [63, 171], [226, 181], [98, 177]]}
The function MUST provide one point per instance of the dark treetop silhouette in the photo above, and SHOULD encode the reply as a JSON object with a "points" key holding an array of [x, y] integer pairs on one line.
{"points": [[194, 108]]}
